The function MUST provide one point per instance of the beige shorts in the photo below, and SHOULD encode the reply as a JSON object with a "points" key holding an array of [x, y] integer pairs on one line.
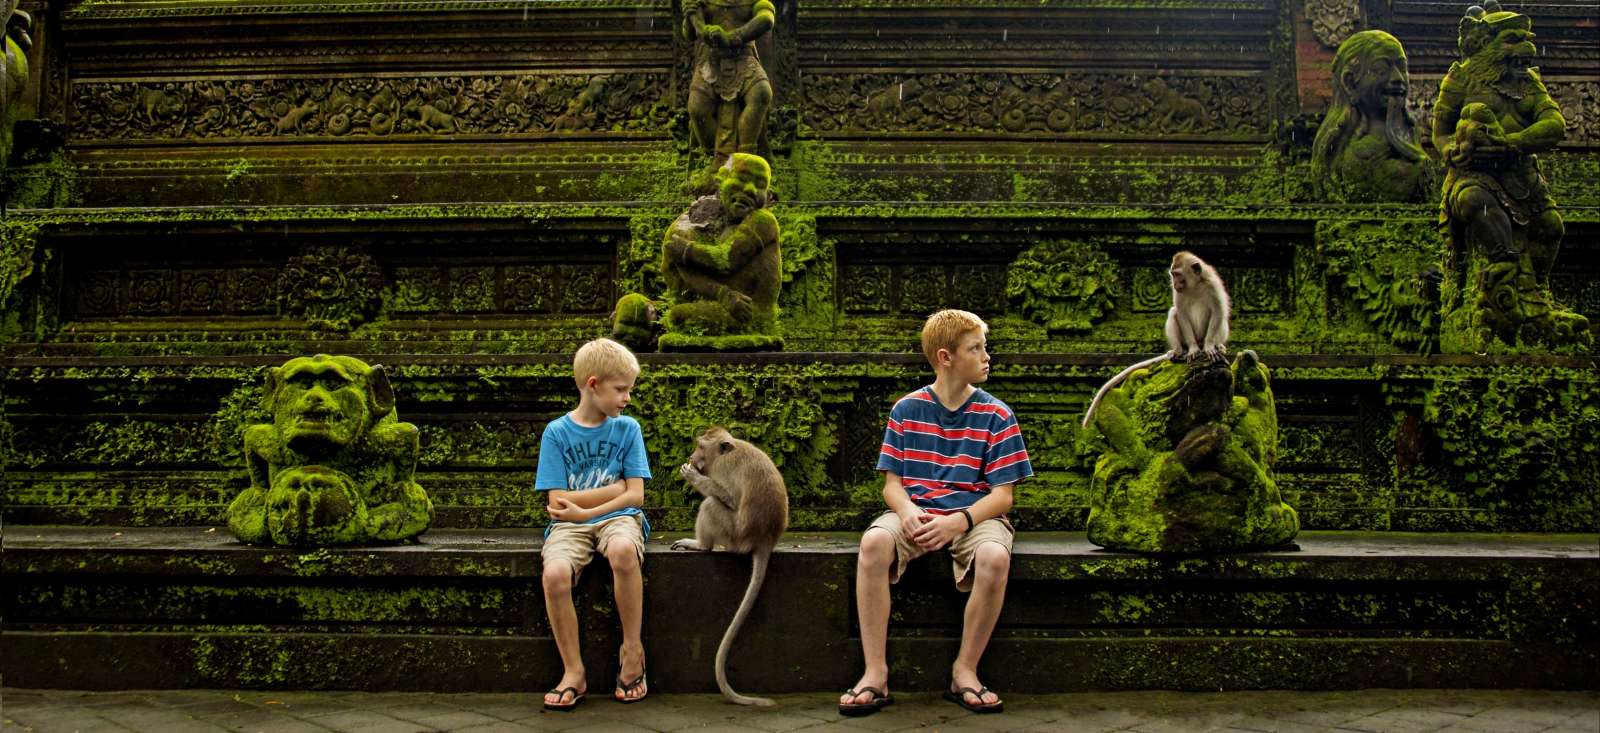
{"points": [[577, 543], [962, 550]]}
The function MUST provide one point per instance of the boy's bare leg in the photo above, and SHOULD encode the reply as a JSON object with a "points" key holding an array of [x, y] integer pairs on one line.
{"points": [[628, 581], [991, 567], [872, 606], [557, 580]]}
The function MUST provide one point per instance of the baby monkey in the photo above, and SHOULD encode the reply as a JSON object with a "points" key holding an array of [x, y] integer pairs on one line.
{"points": [[746, 510], [1197, 323]]}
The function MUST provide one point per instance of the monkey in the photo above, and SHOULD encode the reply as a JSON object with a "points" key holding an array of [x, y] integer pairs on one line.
{"points": [[746, 509], [1197, 323]]}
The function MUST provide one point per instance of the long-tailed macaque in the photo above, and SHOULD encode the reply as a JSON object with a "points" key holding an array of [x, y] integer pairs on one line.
{"points": [[746, 510], [1197, 323]]}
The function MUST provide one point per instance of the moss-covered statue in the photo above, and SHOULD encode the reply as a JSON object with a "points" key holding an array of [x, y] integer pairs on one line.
{"points": [[1366, 150], [14, 79], [1188, 465], [336, 464], [729, 94], [1492, 116], [721, 265]]}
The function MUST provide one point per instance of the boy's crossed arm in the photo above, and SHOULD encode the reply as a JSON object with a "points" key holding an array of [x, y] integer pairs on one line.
{"points": [[578, 506]]}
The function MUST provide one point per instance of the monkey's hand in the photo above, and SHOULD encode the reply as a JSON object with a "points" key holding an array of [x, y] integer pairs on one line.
{"points": [[688, 543], [1217, 352], [939, 531], [1192, 354], [694, 477]]}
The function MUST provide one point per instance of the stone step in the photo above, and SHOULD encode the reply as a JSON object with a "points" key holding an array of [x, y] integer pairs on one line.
{"points": [[108, 608]]}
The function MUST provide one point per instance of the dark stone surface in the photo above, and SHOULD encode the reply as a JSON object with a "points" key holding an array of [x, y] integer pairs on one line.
{"points": [[106, 608]]}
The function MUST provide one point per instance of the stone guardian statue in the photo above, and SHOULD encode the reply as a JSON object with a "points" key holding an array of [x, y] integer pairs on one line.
{"points": [[1492, 117], [729, 94]]}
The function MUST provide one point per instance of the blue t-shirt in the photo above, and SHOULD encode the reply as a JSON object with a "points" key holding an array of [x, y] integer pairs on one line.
{"points": [[948, 459], [573, 458]]}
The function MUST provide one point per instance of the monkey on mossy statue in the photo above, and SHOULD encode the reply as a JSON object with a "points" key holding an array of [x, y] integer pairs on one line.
{"points": [[721, 265], [336, 464]]}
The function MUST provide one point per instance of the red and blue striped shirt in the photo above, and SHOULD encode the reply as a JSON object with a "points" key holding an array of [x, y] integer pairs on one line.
{"points": [[947, 460]]}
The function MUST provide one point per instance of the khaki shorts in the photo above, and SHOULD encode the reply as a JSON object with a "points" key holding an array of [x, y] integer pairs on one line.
{"points": [[577, 543], [962, 549]]}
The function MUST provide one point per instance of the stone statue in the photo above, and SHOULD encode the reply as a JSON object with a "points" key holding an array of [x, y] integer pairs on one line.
{"points": [[1492, 116], [1366, 149], [14, 79], [336, 464], [721, 265], [729, 94], [1188, 465]]}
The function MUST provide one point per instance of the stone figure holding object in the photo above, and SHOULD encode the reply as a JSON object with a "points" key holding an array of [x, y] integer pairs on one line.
{"points": [[1493, 116], [335, 466], [729, 94]]}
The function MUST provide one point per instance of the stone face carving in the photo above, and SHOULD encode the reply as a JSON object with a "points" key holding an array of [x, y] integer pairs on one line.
{"points": [[729, 94], [1188, 467], [336, 464], [722, 267], [1492, 116], [1366, 149]]}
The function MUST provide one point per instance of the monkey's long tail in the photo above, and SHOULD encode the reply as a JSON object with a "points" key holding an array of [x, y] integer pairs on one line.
{"points": [[758, 574], [1087, 416]]}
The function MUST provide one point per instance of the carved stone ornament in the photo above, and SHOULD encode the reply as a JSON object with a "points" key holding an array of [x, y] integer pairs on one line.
{"points": [[1090, 102], [1188, 466], [1333, 20], [331, 288], [335, 466], [235, 108]]}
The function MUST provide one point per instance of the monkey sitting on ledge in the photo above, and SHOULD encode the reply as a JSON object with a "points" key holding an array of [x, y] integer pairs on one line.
{"points": [[746, 510], [1197, 323]]}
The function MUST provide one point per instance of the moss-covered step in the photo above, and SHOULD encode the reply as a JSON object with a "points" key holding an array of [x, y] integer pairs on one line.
{"points": [[113, 608]]}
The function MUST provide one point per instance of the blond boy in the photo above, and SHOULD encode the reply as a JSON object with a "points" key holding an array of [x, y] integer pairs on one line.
{"points": [[950, 457], [592, 466]]}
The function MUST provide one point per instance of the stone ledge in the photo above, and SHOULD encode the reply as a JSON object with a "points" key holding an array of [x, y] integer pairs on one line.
{"points": [[108, 608]]}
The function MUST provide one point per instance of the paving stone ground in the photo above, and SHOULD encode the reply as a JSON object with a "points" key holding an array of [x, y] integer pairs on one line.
{"points": [[1369, 711]]}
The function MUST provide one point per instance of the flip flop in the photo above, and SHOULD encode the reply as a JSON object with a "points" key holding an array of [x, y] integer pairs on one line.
{"points": [[561, 694], [879, 700], [959, 697], [627, 687]]}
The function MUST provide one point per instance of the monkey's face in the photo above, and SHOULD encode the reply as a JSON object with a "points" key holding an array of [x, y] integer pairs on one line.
{"points": [[320, 406], [709, 447], [1183, 276]]}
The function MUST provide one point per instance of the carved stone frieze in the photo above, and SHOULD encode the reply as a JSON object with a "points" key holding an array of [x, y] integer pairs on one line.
{"points": [[372, 107], [1252, 289], [1036, 103], [331, 287], [1333, 20], [908, 289]]}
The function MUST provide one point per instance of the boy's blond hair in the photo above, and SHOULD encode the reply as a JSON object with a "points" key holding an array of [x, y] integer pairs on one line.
{"points": [[944, 330], [603, 359]]}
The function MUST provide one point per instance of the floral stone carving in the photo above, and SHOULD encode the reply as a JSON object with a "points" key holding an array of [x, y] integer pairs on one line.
{"points": [[331, 288], [1188, 468], [336, 464], [1492, 116]]}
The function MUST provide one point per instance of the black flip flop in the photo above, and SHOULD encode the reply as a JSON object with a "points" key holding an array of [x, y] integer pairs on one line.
{"points": [[959, 697], [627, 687], [561, 694], [880, 699]]}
